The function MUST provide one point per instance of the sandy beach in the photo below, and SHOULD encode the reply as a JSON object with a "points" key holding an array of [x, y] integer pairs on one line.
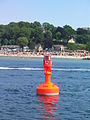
{"points": [[31, 55]]}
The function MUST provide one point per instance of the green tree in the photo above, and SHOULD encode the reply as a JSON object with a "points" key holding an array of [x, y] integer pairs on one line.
{"points": [[35, 24], [5, 42], [76, 46], [46, 26], [58, 35], [48, 40], [58, 38], [69, 31], [62, 31], [81, 31], [25, 32], [12, 42], [88, 46], [82, 39], [11, 32], [0, 42], [38, 35], [32, 45], [22, 41]]}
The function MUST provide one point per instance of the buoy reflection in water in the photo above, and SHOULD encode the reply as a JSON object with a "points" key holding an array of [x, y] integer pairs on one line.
{"points": [[48, 106]]}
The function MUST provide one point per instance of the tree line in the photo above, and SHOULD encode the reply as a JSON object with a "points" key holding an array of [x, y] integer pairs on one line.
{"points": [[30, 34]]}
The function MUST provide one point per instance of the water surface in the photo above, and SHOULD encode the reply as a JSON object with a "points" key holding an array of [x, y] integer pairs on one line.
{"points": [[19, 78]]}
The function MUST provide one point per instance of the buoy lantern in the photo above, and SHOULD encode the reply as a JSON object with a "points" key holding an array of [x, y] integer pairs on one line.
{"points": [[47, 88]]}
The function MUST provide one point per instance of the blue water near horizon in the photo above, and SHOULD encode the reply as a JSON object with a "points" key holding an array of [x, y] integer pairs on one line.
{"points": [[19, 78]]}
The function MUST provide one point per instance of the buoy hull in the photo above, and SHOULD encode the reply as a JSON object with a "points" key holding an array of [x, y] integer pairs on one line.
{"points": [[47, 89]]}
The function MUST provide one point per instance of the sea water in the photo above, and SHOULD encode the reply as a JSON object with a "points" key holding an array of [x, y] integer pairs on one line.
{"points": [[19, 78]]}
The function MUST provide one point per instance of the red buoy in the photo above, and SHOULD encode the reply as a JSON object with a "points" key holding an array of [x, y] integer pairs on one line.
{"points": [[47, 88]]}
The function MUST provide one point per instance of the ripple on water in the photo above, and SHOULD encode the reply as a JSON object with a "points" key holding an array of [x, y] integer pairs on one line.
{"points": [[18, 99]]}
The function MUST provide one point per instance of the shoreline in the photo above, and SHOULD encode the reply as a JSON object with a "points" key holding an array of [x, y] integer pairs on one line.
{"points": [[28, 55]]}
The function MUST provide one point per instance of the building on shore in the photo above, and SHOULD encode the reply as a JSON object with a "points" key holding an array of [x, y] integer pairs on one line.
{"points": [[38, 48], [26, 49], [59, 48], [10, 48], [71, 40]]}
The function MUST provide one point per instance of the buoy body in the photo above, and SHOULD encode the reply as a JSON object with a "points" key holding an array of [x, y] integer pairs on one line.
{"points": [[47, 88]]}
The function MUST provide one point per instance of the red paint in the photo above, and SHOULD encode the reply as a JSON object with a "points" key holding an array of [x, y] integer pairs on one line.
{"points": [[47, 88]]}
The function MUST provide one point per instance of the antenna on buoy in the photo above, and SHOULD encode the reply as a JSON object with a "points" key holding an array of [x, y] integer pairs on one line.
{"points": [[47, 88]]}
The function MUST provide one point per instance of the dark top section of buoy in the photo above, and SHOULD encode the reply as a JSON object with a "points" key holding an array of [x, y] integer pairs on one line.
{"points": [[47, 60]]}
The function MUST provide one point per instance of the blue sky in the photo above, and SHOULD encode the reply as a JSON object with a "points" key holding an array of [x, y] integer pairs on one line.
{"points": [[75, 13]]}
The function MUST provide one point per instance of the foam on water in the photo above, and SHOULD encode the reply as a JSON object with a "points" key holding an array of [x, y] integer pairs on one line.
{"points": [[40, 69], [9, 68]]}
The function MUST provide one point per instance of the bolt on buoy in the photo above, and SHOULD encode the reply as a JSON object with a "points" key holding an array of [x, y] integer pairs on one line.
{"points": [[47, 88]]}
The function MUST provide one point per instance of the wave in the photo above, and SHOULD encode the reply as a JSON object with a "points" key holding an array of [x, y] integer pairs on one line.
{"points": [[41, 69], [72, 70], [9, 68]]}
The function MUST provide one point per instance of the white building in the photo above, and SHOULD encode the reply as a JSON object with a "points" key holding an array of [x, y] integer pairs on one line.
{"points": [[71, 40]]}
